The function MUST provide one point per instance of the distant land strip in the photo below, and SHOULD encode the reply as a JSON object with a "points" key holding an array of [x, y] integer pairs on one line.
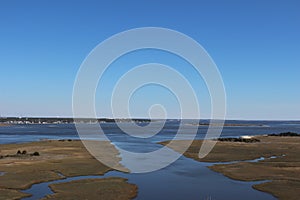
{"points": [[58, 120]]}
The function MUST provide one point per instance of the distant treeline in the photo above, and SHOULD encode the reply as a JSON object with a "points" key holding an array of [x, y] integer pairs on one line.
{"points": [[291, 134]]}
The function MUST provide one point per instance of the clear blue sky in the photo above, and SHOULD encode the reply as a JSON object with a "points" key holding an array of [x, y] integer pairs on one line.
{"points": [[255, 44]]}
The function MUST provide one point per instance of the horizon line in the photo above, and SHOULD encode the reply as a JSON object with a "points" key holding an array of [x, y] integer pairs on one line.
{"points": [[70, 117]]}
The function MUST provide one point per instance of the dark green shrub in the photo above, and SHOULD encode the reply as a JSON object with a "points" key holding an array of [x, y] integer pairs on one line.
{"points": [[36, 153]]}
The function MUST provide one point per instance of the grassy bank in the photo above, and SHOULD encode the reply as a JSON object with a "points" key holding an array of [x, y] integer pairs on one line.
{"points": [[106, 188], [55, 160]]}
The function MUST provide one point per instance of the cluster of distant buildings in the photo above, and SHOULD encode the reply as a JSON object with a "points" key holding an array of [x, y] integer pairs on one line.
{"points": [[34, 120], [57, 120]]}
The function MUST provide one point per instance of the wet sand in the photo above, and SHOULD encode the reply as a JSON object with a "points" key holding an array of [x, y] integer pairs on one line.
{"points": [[57, 160], [282, 172]]}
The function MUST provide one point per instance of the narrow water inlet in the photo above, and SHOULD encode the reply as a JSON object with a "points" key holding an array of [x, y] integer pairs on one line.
{"points": [[250, 161]]}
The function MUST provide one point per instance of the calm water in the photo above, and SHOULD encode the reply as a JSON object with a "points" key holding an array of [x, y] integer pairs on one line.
{"points": [[35, 132], [184, 178]]}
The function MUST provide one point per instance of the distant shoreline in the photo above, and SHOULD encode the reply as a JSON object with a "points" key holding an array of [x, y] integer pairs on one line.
{"points": [[228, 125], [57, 120], [191, 122]]}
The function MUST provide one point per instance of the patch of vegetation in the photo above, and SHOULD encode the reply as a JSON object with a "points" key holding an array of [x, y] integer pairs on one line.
{"points": [[246, 140], [290, 134], [68, 158], [102, 188], [62, 140], [20, 154], [36, 154], [12, 194]]}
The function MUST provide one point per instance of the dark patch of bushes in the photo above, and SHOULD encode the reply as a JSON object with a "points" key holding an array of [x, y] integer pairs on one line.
{"points": [[20, 154], [62, 140], [24, 152], [246, 140], [291, 134], [35, 154]]}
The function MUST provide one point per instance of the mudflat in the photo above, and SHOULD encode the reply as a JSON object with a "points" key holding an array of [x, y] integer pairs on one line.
{"points": [[281, 166], [22, 165]]}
